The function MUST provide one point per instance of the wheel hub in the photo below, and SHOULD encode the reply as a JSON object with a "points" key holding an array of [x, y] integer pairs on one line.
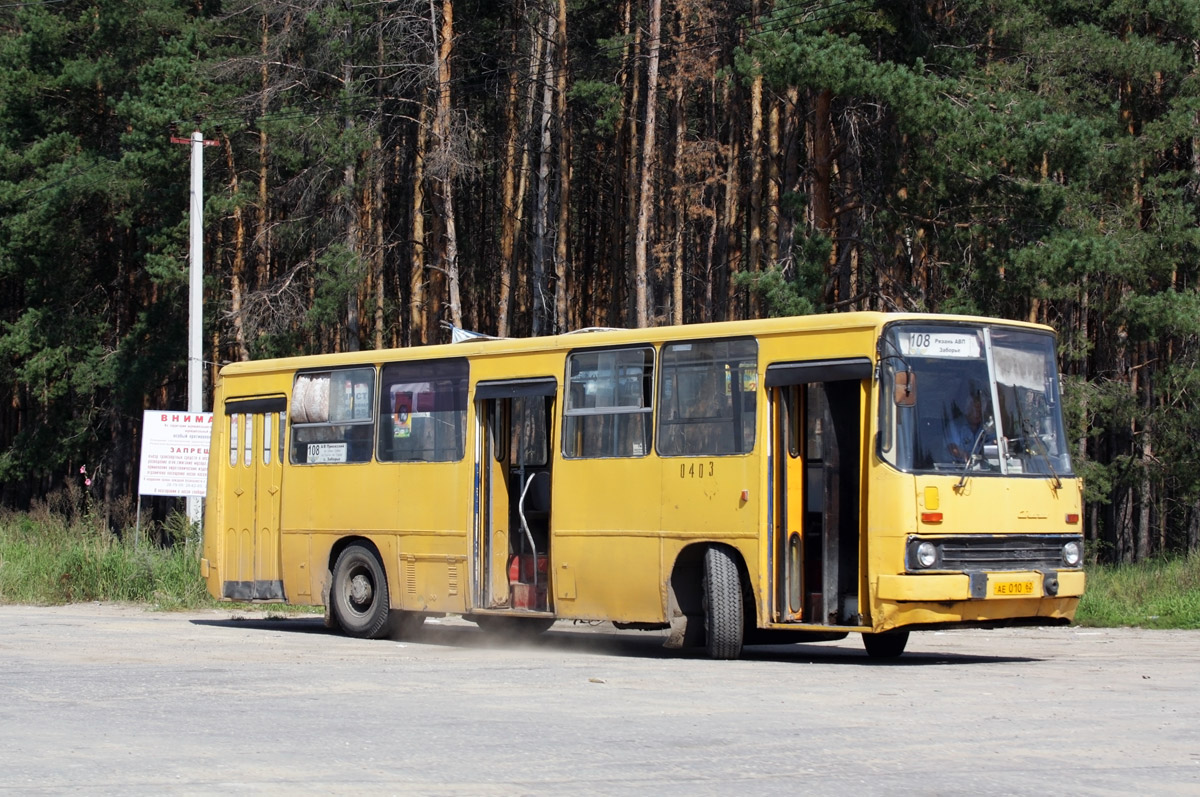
{"points": [[361, 590]]}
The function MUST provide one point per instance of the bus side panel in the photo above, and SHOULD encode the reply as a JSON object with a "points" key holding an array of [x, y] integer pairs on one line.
{"points": [[416, 514], [300, 583], [605, 552], [434, 503], [717, 500], [347, 498], [214, 509], [891, 517]]}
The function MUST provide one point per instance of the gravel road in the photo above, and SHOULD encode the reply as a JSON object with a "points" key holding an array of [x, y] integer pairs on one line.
{"points": [[104, 699]]}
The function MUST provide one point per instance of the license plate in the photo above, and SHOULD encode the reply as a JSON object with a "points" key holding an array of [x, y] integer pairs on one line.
{"points": [[1005, 588]]}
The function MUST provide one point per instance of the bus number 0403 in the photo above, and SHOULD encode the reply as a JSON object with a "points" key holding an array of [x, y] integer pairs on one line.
{"points": [[695, 470]]}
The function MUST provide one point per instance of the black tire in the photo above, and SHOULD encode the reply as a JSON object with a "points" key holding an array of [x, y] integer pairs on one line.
{"points": [[359, 594], [515, 627], [724, 620], [888, 645]]}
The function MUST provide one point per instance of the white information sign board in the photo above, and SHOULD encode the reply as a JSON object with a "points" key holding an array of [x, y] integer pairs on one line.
{"points": [[174, 452]]}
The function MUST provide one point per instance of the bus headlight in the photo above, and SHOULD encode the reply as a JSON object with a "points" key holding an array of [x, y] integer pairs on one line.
{"points": [[1072, 554], [927, 554]]}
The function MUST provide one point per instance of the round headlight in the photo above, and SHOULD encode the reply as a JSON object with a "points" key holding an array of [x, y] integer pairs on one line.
{"points": [[1072, 554], [926, 554]]}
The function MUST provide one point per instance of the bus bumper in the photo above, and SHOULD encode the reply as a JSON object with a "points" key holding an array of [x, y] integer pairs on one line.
{"points": [[981, 586]]}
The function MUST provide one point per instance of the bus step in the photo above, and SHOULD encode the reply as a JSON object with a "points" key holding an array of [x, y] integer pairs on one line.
{"points": [[527, 596]]}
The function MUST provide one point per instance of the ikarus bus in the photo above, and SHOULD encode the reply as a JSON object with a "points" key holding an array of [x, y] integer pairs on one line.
{"points": [[793, 479]]}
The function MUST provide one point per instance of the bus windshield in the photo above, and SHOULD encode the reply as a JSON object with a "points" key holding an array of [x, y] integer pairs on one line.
{"points": [[977, 399]]}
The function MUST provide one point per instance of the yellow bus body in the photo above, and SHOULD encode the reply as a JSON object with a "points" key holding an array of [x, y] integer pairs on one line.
{"points": [[627, 535]]}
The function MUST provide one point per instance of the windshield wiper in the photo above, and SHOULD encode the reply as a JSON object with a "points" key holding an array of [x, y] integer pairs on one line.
{"points": [[988, 425], [1039, 449]]}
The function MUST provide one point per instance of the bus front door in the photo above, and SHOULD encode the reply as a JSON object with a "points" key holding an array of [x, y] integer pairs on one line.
{"points": [[789, 504], [251, 565], [816, 431], [513, 527]]}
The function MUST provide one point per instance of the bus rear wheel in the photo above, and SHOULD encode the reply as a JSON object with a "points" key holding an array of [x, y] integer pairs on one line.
{"points": [[887, 645], [360, 593], [724, 620]]}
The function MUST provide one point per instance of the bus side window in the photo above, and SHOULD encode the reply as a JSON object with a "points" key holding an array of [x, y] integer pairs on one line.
{"points": [[423, 411], [332, 416], [609, 403], [233, 440], [708, 398]]}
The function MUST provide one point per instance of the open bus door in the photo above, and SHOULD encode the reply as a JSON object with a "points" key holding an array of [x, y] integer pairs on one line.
{"points": [[251, 565], [816, 425], [512, 549]]}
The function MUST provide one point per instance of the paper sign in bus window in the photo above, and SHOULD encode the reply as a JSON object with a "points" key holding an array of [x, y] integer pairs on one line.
{"points": [[326, 453], [402, 415]]}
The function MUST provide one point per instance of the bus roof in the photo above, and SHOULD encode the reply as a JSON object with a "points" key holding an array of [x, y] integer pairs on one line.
{"points": [[587, 338]]}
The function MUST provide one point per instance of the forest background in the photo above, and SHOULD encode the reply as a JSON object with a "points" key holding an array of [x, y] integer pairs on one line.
{"points": [[526, 167]]}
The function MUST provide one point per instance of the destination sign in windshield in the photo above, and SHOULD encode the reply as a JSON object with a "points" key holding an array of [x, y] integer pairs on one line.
{"points": [[940, 343]]}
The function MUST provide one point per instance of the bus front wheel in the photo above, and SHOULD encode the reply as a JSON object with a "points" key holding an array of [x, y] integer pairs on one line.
{"points": [[724, 620], [360, 593], [887, 645]]}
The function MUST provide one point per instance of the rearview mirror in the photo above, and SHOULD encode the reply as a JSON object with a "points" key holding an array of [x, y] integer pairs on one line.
{"points": [[905, 394]]}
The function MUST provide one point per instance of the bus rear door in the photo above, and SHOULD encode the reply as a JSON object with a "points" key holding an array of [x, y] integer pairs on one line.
{"points": [[250, 556]]}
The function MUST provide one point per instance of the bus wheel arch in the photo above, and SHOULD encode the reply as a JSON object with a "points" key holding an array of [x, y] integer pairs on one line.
{"points": [[710, 586], [358, 590]]}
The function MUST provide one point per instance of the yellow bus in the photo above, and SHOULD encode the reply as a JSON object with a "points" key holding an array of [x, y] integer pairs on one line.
{"points": [[793, 479]]}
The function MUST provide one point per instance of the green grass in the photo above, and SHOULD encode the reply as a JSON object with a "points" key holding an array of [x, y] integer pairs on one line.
{"points": [[52, 559], [1160, 593], [49, 558]]}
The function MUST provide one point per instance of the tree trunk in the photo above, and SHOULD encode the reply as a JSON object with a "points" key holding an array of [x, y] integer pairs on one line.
{"points": [[237, 277], [847, 221], [1144, 383], [755, 221], [542, 247], [622, 273], [681, 215], [773, 154], [378, 278], [563, 232], [821, 181], [522, 287], [417, 331], [263, 239], [350, 210], [730, 254], [378, 185], [790, 179], [508, 182], [444, 181], [646, 192]]}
